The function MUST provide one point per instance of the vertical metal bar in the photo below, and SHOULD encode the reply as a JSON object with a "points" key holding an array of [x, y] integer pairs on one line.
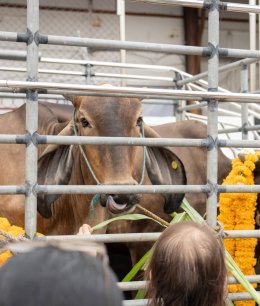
{"points": [[244, 106], [212, 156], [252, 38], [121, 13], [31, 153]]}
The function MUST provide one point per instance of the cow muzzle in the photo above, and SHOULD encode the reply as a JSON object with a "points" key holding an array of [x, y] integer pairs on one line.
{"points": [[119, 203]]}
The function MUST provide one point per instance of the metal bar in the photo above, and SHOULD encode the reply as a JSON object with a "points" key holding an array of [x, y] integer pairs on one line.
{"points": [[132, 76], [232, 296], [123, 189], [107, 90], [137, 285], [212, 113], [120, 189], [13, 139], [226, 6], [40, 96], [141, 237], [227, 143], [13, 55], [31, 152], [124, 45], [240, 296], [235, 130], [238, 188], [45, 71], [12, 189], [122, 141], [224, 68]]}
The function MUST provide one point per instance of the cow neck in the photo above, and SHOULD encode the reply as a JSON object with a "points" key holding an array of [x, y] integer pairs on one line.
{"points": [[96, 197]]}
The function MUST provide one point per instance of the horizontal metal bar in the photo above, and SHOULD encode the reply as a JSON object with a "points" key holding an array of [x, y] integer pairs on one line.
{"points": [[13, 139], [8, 36], [238, 188], [232, 296], [107, 238], [227, 143], [106, 64], [120, 189], [141, 237], [178, 94], [240, 129], [242, 234], [7, 189], [13, 55], [44, 71], [126, 141], [138, 285], [23, 96], [123, 189], [92, 93], [241, 296], [125, 45], [226, 6], [134, 285], [132, 76]]}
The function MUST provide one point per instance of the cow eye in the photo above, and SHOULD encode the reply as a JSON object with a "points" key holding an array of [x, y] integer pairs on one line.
{"points": [[85, 123], [139, 121]]}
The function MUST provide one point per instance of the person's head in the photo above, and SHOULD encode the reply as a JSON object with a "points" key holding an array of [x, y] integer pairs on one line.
{"points": [[187, 267], [57, 277]]}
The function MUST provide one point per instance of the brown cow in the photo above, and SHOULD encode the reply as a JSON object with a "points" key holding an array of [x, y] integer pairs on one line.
{"points": [[64, 214]]}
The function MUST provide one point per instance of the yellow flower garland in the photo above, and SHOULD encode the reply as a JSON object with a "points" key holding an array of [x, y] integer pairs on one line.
{"points": [[237, 212], [12, 230]]}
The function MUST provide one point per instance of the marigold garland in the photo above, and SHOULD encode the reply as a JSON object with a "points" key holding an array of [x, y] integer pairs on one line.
{"points": [[237, 212], [15, 231]]}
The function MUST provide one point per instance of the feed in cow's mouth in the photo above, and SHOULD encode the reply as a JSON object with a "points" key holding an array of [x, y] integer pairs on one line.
{"points": [[114, 207]]}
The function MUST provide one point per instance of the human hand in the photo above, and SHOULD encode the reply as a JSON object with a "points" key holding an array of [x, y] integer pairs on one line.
{"points": [[85, 229]]}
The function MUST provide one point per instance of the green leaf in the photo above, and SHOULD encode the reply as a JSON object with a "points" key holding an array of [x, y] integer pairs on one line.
{"points": [[137, 267], [140, 294], [133, 217]]}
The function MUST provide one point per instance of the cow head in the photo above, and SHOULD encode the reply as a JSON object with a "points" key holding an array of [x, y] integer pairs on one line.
{"points": [[112, 165]]}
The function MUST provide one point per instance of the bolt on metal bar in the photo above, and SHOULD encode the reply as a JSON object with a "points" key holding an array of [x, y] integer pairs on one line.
{"points": [[31, 152], [244, 107]]}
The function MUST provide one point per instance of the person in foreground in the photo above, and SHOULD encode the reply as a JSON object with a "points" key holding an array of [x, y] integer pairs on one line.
{"points": [[58, 276], [187, 267]]}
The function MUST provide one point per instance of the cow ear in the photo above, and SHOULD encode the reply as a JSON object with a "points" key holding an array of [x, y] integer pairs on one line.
{"points": [[76, 100], [165, 168], [54, 168]]}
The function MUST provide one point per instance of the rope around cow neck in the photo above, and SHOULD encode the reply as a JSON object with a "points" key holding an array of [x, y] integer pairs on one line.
{"points": [[96, 197]]}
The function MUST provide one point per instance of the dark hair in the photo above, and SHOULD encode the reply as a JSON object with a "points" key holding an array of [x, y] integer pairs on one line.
{"points": [[187, 267], [54, 277]]}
